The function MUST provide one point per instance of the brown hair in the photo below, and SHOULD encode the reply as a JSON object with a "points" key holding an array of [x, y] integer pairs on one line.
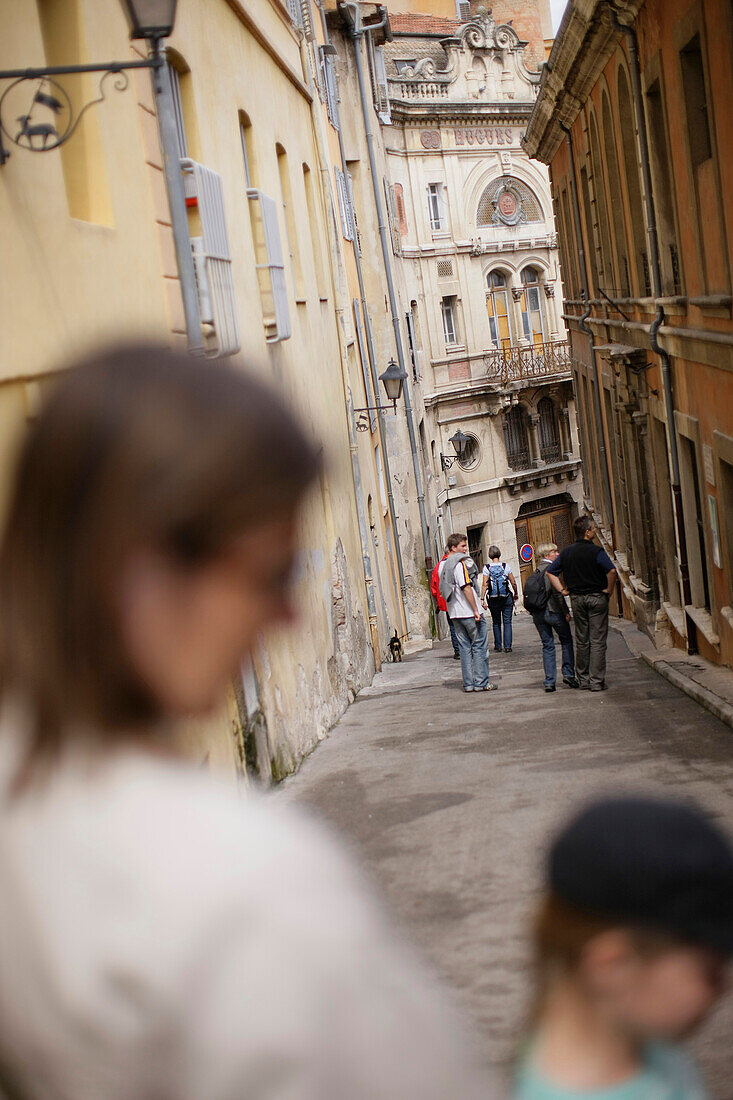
{"points": [[562, 933], [136, 447], [455, 539]]}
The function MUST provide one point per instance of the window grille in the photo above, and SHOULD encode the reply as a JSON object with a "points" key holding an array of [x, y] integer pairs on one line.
{"points": [[270, 265], [368, 392], [527, 206], [470, 456], [445, 269], [675, 262], [463, 10], [447, 306], [548, 431], [516, 438], [212, 257]]}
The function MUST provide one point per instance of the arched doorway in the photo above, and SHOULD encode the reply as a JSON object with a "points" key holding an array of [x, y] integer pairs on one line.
{"points": [[549, 519]]}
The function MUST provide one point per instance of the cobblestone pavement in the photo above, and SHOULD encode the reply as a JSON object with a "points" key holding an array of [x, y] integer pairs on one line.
{"points": [[450, 798]]}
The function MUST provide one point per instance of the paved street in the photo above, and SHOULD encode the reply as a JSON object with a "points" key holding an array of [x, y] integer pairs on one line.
{"points": [[449, 799]]}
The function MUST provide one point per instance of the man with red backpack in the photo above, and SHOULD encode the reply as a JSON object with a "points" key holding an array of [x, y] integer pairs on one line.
{"points": [[443, 606]]}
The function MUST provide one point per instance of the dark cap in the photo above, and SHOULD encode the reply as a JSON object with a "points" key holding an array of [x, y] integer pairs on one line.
{"points": [[648, 862]]}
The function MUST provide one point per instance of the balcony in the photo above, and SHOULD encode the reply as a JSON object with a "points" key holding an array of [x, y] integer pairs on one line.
{"points": [[534, 363]]}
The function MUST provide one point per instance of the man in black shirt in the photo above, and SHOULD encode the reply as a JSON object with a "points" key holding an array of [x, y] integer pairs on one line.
{"points": [[589, 578]]}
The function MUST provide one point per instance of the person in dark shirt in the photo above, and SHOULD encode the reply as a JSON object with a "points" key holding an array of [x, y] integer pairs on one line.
{"points": [[588, 577]]}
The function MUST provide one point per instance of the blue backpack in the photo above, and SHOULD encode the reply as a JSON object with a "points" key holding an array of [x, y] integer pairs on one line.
{"points": [[498, 583]]}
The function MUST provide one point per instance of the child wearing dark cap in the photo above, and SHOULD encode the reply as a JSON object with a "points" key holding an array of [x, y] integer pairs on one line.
{"points": [[631, 944]]}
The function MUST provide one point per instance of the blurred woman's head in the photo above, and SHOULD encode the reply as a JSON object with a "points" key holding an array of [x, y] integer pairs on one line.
{"points": [[149, 539]]}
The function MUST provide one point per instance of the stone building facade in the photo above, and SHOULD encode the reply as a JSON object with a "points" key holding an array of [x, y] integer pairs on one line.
{"points": [[473, 229], [633, 119], [89, 228]]}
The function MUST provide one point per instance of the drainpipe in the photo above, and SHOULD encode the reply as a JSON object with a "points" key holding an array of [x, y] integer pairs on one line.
{"points": [[176, 199], [356, 32], [664, 358], [585, 327]]}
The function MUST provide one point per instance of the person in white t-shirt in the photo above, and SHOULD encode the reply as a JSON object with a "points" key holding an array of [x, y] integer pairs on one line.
{"points": [[463, 596], [160, 934]]}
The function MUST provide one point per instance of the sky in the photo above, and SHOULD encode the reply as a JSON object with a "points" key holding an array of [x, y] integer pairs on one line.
{"points": [[558, 7]]}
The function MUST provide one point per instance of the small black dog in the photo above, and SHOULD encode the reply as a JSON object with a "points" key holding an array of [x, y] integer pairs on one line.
{"points": [[395, 647]]}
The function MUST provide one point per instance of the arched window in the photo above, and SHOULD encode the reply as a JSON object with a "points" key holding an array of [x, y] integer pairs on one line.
{"points": [[508, 201], [497, 305], [516, 438], [533, 324], [550, 450], [633, 186]]}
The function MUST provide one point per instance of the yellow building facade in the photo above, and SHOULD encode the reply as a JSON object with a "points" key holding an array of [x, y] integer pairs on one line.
{"points": [[93, 259]]}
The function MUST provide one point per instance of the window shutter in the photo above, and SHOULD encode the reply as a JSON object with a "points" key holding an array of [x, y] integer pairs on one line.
{"points": [[331, 87], [464, 11], [295, 12], [364, 365], [212, 257], [352, 211], [175, 90], [344, 205], [270, 266], [394, 228], [381, 98]]}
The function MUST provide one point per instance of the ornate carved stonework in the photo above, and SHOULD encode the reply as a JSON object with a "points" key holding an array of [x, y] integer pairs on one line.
{"points": [[430, 139]]}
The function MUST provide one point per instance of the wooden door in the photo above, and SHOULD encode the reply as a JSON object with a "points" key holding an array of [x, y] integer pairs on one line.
{"points": [[551, 526]]}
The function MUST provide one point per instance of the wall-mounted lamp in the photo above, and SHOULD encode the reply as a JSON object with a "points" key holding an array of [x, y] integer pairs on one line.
{"points": [[35, 110], [393, 380], [459, 441]]}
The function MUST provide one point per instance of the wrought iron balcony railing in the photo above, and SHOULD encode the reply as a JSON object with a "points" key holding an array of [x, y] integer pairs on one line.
{"points": [[516, 364]]}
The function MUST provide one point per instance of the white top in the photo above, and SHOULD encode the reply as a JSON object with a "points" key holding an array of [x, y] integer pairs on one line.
{"points": [[507, 573], [458, 604], [162, 936]]}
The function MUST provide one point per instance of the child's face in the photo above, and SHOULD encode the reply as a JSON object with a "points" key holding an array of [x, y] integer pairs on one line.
{"points": [[664, 994]]}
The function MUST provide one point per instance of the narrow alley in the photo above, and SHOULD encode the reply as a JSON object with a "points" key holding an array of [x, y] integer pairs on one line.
{"points": [[449, 800]]}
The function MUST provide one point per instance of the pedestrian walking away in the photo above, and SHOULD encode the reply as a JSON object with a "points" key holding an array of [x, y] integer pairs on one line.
{"points": [[631, 946], [550, 615], [459, 586], [500, 589], [162, 933], [442, 605], [588, 577]]}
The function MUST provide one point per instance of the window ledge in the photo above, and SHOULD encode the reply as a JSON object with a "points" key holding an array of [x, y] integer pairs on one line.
{"points": [[676, 616], [673, 307], [713, 305], [703, 620]]}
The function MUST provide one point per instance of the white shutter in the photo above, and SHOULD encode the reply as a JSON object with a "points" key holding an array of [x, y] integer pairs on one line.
{"points": [[352, 212], [295, 12], [381, 86], [276, 311], [306, 19], [344, 205], [212, 257], [464, 11], [394, 228], [330, 85]]}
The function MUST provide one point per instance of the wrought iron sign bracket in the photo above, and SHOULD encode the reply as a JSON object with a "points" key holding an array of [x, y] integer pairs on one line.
{"points": [[446, 461], [57, 122], [363, 420]]}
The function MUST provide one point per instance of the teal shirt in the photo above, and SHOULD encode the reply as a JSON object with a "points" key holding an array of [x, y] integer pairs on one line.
{"points": [[666, 1074]]}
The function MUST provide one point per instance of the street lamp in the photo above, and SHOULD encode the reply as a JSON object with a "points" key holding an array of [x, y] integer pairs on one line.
{"points": [[151, 19], [393, 380], [459, 441], [42, 118]]}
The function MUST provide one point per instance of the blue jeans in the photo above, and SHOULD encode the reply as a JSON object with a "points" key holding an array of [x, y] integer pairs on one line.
{"points": [[546, 624], [502, 609], [454, 640], [471, 637]]}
